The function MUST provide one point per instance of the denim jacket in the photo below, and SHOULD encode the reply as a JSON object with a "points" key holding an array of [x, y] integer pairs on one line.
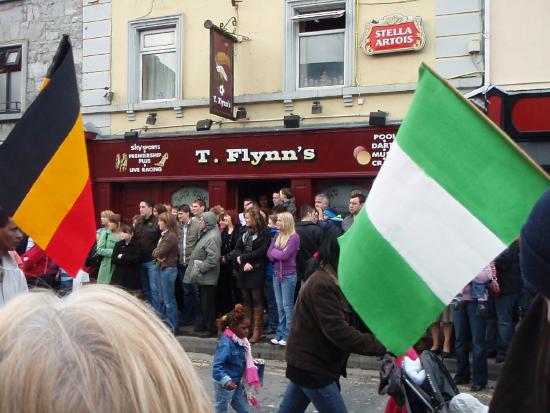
{"points": [[229, 362]]}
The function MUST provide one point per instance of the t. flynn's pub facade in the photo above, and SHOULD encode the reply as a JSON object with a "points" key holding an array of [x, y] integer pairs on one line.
{"points": [[306, 94], [225, 168]]}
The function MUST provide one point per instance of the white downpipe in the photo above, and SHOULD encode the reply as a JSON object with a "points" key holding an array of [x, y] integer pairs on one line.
{"points": [[486, 51]]}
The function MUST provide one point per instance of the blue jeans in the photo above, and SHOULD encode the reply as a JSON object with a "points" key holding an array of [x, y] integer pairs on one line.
{"points": [[146, 271], [191, 305], [169, 305], [505, 312], [224, 397], [272, 314], [154, 289], [466, 323], [326, 399], [284, 296]]}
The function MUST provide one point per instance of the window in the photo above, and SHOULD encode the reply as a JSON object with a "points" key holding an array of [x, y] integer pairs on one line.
{"points": [[10, 80], [321, 48], [158, 64], [154, 59], [318, 43]]}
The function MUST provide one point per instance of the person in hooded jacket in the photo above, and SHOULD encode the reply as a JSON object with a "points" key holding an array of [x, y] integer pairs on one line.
{"points": [[524, 382], [204, 269], [321, 338]]}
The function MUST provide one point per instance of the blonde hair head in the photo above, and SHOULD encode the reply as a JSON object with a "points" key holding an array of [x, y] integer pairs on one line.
{"points": [[96, 350], [106, 213], [287, 229]]}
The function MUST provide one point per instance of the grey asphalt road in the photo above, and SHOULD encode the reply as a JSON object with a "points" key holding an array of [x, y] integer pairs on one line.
{"points": [[359, 389]]}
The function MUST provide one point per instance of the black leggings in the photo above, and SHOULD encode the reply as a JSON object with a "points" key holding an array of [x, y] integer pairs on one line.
{"points": [[253, 297]]}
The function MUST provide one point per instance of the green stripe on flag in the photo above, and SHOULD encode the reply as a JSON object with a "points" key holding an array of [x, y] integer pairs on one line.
{"points": [[469, 156], [393, 301]]}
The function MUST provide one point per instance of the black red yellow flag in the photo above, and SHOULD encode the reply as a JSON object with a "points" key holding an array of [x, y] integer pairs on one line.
{"points": [[44, 172]]}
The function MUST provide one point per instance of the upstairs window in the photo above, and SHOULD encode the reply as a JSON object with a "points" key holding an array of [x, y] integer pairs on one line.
{"points": [[10, 80], [319, 45], [158, 64], [321, 39], [155, 59]]}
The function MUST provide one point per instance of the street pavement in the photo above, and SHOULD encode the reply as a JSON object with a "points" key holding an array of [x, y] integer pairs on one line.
{"points": [[359, 389]]}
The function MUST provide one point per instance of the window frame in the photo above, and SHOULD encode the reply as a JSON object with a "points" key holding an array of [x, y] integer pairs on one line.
{"points": [[312, 34], [155, 50], [309, 8], [22, 63], [135, 30]]}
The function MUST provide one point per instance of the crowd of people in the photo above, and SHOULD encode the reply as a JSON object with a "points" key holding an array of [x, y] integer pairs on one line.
{"points": [[193, 264], [240, 276]]}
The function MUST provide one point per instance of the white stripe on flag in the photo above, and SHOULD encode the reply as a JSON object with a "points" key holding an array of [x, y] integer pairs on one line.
{"points": [[440, 239]]}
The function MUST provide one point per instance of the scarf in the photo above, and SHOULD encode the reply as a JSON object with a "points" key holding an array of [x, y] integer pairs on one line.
{"points": [[248, 237], [252, 382]]}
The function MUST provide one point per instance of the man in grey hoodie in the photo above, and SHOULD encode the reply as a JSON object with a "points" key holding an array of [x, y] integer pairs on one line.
{"points": [[204, 269]]}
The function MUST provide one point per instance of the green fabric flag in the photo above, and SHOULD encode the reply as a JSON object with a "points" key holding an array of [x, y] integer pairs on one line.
{"points": [[453, 193]]}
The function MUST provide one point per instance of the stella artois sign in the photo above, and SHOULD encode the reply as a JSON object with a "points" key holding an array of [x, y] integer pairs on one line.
{"points": [[395, 33]]}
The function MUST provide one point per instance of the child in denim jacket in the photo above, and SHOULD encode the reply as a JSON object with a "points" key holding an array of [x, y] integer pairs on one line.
{"points": [[232, 361]]}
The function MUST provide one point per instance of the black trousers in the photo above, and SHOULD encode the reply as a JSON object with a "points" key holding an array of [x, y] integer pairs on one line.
{"points": [[208, 306]]}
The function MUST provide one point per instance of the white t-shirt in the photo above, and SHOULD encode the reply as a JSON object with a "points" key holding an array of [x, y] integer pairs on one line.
{"points": [[12, 281]]}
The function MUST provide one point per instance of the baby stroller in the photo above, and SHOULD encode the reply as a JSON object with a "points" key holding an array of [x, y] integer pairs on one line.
{"points": [[432, 395]]}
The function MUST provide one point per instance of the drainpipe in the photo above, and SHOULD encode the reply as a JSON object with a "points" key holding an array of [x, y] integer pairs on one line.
{"points": [[486, 51]]}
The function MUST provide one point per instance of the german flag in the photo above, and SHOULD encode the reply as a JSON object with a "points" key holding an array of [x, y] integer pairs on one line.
{"points": [[44, 174]]}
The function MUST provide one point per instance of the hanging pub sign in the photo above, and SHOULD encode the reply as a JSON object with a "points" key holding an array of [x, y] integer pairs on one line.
{"points": [[394, 33], [221, 72]]}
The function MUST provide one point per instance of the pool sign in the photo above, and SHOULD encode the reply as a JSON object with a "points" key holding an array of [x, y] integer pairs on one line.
{"points": [[394, 33]]}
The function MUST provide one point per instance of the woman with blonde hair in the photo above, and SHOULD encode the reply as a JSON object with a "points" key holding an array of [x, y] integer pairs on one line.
{"points": [[105, 245], [104, 217], [282, 253], [96, 350], [163, 291]]}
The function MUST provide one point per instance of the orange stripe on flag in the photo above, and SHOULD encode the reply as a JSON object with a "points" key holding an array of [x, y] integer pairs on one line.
{"points": [[76, 233], [57, 188]]}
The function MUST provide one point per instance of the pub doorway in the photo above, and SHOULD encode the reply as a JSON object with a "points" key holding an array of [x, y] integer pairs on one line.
{"points": [[258, 190]]}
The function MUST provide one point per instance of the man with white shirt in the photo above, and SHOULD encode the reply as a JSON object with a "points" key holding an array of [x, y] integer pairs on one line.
{"points": [[12, 279]]}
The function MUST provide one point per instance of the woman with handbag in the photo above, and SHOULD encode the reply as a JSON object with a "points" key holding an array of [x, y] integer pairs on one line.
{"points": [[105, 245]]}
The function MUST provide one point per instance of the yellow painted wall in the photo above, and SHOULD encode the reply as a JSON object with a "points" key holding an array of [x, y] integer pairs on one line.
{"points": [[259, 62], [394, 68], [519, 35]]}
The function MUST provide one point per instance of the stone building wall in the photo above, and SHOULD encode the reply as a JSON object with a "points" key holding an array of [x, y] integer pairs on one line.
{"points": [[38, 26]]}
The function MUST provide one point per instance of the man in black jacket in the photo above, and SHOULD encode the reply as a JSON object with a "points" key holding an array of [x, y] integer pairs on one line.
{"points": [[310, 238], [147, 234]]}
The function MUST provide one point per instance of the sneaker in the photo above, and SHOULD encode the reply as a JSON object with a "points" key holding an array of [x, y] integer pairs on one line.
{"points": [[275, 341], [282, 343]]}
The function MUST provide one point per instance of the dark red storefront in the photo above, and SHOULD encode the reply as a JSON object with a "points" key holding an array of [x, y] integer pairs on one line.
{"points": [[523, 115], [227, 167]]}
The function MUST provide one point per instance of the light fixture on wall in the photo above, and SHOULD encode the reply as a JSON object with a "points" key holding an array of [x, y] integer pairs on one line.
{"points": [[316, 107], [241, 113], [131, 135], [151, 118], [206, 124], [108, 95], [378, 118], [292, 121]]}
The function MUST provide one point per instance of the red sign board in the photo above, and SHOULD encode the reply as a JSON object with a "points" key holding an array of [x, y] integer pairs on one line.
{"points": [[322, 153], [221, 73], [395, 33]]}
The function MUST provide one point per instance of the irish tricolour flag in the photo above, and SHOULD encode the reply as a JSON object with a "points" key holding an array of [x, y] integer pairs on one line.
{"points": [[453, 193]]}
